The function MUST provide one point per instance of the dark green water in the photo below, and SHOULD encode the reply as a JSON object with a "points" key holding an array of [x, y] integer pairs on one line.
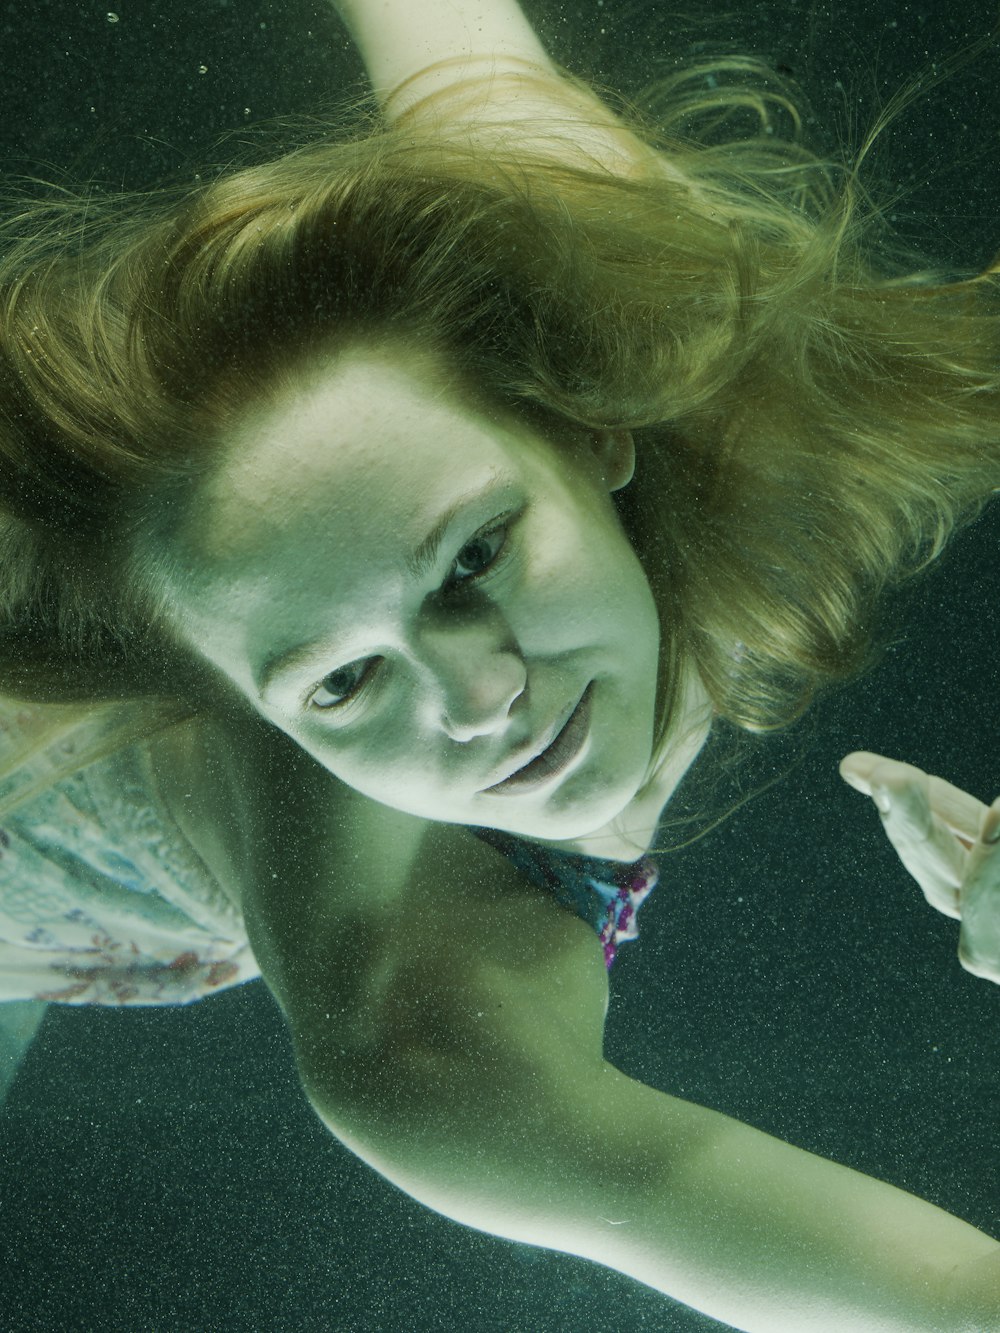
{"points": [[161, 1170]]}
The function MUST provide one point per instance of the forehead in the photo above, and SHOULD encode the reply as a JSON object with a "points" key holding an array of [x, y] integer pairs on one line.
{"points": [[369, 435]]}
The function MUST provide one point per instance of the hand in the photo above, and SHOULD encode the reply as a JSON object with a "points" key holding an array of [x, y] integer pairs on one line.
{"points": [[941, 835]]}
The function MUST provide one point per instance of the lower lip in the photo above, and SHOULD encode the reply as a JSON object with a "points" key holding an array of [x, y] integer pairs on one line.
{"points": [[558, 757]]}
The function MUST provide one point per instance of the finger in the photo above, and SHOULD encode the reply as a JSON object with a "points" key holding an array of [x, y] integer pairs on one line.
{"points": [[979, 938], [956, 809], [855, 768], [926, 847]]}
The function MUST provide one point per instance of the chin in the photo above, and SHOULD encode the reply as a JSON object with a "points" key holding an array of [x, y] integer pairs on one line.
{"points": [[579, 820]]}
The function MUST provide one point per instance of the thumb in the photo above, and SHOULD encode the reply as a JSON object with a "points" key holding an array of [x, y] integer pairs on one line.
{"points": [[856, 769]]}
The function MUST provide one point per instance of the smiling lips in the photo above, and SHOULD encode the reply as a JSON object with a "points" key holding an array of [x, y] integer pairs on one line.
{"points": [[557, 754]]}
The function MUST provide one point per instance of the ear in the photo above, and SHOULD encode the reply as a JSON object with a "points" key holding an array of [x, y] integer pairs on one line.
{"points": [[615, 454]]}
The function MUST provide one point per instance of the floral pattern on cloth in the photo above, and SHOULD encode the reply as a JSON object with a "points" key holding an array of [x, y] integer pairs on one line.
{"points": [[102, 898], [605, 894]]}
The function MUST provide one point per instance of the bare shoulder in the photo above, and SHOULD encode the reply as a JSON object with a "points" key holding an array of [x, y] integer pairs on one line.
{"points": [[471, 957], [408, 957], [398, 930]]}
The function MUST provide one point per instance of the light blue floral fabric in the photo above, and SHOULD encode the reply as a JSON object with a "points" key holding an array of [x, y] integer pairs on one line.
{"points": [[102, 899]]}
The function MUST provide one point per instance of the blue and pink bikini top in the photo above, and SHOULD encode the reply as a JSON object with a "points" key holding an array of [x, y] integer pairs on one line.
{"points": [[605, 894]]}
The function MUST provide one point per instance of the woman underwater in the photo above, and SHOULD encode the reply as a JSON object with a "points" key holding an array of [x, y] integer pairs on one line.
{"points": [[487, 439]]}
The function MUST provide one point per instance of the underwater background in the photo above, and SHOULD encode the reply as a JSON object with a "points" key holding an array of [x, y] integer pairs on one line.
{"points": [[160, 1169]]}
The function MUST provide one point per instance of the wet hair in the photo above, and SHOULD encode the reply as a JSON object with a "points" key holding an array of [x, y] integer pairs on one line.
{"points": [[815, 409]]}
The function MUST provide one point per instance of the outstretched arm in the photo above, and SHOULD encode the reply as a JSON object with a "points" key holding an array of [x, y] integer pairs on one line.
{"points": [[578, 1158], [468, 1069]]}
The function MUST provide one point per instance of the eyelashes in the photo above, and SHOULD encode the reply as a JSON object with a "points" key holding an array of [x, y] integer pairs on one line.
{"points": [[493, 562], [451, 589]]}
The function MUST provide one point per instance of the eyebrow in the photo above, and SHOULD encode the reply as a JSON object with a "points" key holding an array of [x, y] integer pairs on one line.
{"points": [[418, 564]]}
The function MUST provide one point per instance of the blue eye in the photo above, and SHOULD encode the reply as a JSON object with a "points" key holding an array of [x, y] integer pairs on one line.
{"points": [[350, 682], [481, 558], [485, 553]]}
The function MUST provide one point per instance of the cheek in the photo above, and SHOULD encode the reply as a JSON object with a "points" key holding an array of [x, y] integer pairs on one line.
{"points": [[574, 555], [378, 764], [610, 586], [579, 565]]}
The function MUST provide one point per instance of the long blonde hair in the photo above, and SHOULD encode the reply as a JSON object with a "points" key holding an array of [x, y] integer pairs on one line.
{"points": [[815, 411]]}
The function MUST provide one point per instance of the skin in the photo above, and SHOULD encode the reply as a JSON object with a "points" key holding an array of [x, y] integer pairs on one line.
{"points": [[301, 534]]}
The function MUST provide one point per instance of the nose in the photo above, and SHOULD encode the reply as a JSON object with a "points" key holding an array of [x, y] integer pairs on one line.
{"points": [[477, 674]]}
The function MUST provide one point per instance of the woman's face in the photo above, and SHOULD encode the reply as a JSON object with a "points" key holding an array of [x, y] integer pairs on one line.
{"points": [[424, 671]]}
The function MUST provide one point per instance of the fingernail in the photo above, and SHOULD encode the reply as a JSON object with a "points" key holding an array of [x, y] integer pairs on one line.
{"points": [[991, 823], [881, 798]]}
